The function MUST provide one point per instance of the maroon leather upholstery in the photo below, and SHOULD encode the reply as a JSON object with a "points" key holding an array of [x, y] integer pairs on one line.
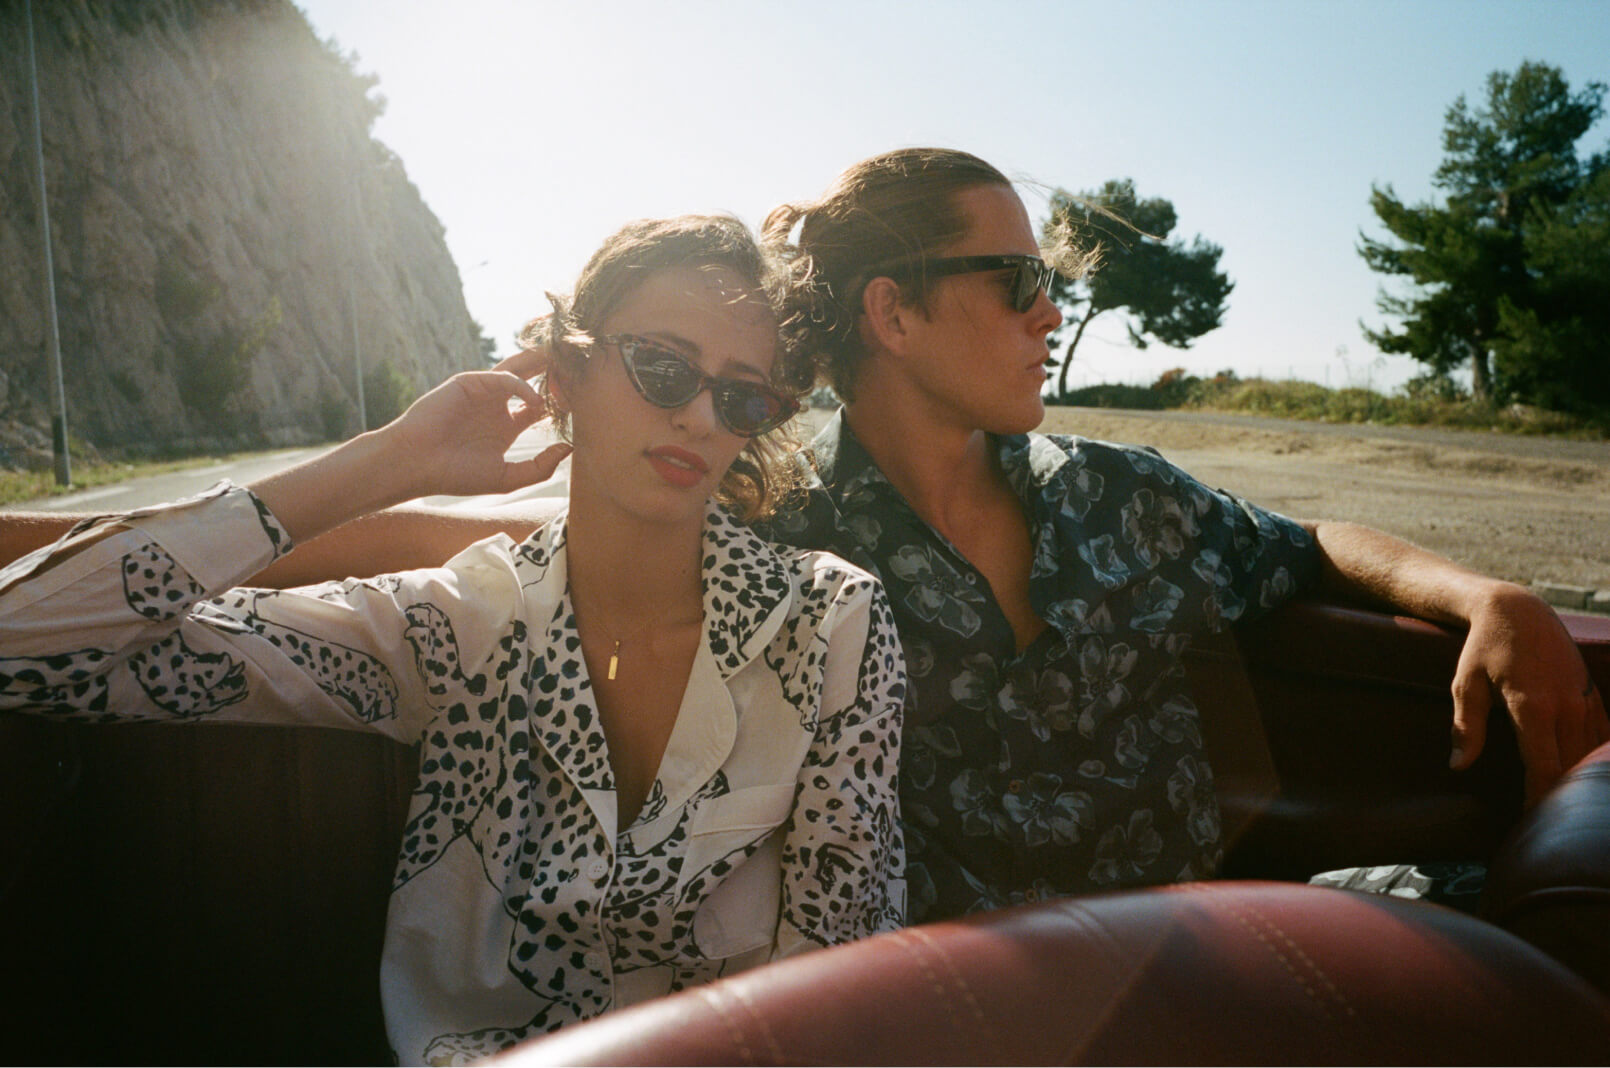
{"points": [[1244, 973], [216, 894], [1550, 882], [1329, 731]]}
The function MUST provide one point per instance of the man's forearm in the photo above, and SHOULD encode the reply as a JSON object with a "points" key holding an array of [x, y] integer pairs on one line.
{"points": [[1361, 562]]}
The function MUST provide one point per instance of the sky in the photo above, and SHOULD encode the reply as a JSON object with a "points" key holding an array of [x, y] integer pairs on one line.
{"points": [[535, 128]]}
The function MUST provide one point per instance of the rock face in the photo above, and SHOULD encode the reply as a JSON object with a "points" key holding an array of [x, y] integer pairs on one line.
{"points": [[229, 240]]}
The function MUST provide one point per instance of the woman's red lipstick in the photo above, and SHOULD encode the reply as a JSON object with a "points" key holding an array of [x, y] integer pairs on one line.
{"points": [[679, 467]]}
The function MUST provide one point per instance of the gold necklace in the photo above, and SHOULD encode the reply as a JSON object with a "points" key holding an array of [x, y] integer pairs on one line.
{"points": [[614, 658]]}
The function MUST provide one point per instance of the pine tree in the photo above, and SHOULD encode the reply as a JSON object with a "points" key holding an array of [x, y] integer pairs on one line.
{"points": [[1173, 291], [1485, 263]]}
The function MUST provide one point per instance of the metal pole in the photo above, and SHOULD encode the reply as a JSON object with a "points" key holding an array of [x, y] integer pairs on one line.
{"points": [[58, 392], [352, 297]]}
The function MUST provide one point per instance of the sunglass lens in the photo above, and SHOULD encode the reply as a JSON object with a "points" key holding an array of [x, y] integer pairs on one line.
{"points": [[1032, 277], [664, 377], [749, 409]]}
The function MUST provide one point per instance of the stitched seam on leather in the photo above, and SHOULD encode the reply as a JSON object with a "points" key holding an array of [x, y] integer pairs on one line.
{"points": [[735, 1031], [1241, 912], [1318, 972], [1077, 1052], [958, 980]]}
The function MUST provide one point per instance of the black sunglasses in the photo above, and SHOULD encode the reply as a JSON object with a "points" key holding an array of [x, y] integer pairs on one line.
{"points": [[666, 379], [1030, 274]]}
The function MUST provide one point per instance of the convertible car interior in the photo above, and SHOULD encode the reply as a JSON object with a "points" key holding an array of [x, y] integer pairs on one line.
{"points": [[216, 894]]}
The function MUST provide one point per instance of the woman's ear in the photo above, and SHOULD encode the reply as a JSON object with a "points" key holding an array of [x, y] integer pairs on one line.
{"points": [[884, 315], [556, 390]]}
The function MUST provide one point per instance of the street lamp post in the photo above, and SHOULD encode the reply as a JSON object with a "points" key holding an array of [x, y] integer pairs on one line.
{"points": [[58, 391], [352, 296]]}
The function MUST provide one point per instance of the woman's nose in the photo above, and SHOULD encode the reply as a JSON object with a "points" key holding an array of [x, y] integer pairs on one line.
{"points": [[697, 416]]}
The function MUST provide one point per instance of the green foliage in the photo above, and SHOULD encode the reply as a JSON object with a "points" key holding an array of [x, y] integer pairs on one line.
{"points": [[1305, 400], [387, 393], [334, 413], [1429, 401], [1173, 290], [213, 370], [1509, 276], [361, 88], [1112, 395], [1552, 351], [88, 471], [180, 295]]}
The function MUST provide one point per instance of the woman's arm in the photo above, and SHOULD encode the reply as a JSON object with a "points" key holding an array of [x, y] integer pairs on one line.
{"points": [[1516, 651], [844, 854], [391, 540], [101, 621], [453, 440], [394, 539]]}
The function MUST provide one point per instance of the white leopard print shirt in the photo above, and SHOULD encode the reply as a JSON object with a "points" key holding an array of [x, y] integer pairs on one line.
{"points": [[772, 826]]}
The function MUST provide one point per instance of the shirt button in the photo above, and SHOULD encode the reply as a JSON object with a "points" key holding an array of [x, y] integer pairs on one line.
{"points": [[597, 871]]}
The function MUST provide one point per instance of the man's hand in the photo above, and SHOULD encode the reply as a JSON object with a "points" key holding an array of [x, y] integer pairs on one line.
{"points": [[1518, 652]]}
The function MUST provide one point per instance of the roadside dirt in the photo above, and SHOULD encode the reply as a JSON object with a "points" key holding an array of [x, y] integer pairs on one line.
{"points": [[1524, 509]]}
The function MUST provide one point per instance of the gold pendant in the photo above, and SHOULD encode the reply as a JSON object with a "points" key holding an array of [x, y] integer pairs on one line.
{"points": [[614, 658]]}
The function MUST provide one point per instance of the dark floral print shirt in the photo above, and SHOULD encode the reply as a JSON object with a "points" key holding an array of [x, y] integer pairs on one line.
{"points": [[1077, 764]]}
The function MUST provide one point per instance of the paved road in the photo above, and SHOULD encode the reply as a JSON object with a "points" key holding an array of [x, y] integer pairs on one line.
{"points": [[154, 489]]}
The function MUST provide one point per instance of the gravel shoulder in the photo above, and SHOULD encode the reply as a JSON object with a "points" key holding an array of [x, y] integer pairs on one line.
{"points": [[1524, 509]]}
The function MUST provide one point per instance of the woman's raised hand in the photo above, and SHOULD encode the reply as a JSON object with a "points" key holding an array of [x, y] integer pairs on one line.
{"points": [[456, 438], [527, 363], [453, 441]]}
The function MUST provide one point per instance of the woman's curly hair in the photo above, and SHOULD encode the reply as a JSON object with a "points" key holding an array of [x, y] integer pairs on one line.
{"points": [[765, 473]]}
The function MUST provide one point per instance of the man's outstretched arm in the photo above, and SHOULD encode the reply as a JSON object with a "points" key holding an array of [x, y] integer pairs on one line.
{"points": [[1516, 651]]}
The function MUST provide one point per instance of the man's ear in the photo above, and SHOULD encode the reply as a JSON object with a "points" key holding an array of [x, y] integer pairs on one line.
{"points": [[886, 318]]}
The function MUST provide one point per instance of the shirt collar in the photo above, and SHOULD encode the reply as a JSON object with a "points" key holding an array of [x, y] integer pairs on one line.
{"points": [[1034, 465], [747, 590], [843, 464]]}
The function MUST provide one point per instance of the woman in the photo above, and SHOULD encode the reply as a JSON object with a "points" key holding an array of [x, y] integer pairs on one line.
{"points": [[654, 748]]}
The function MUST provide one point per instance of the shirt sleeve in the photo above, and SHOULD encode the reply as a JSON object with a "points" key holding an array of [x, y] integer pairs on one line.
{"points": [[843, 853], [1160, 549], [1248, 559], [137, 617]]}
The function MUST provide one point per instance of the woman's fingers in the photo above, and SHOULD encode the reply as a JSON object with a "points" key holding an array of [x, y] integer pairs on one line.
{"points": [[526, 364], [539, 468]]}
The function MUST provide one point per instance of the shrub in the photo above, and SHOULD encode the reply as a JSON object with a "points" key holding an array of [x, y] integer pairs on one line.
{"points": [[387, 393]]}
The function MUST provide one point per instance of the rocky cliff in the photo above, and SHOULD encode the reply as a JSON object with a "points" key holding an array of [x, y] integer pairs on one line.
{"points": [[229, 240]]}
